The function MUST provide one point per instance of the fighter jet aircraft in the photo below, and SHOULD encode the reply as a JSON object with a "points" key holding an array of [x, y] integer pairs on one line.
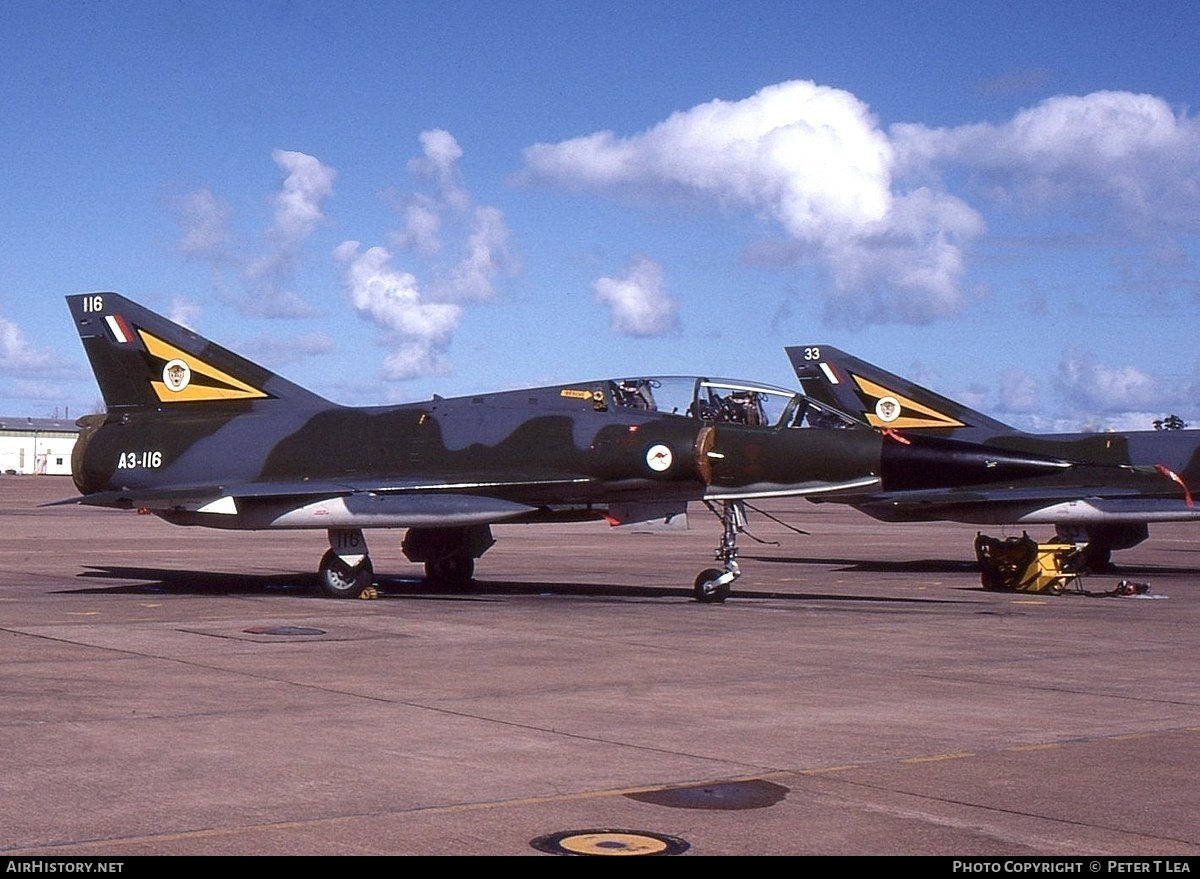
{"points": [[1119, 482], [199, 435]]}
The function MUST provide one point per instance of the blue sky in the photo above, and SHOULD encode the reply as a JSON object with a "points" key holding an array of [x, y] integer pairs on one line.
{"points": [[383, 201]]}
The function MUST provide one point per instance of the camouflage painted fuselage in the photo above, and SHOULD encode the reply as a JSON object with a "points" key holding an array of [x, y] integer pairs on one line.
{"points": [[1116, 484], [199, 435]]}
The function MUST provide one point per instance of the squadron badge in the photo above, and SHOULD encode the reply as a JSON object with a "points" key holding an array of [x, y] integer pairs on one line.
{"points": [[176, 375], [887, 409]]}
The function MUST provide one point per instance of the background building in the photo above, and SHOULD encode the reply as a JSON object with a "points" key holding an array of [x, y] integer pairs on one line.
{"points": [[37, 445]]}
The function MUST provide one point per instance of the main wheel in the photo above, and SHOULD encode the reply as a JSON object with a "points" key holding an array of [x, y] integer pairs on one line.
{"points": [[454, 570], [708, 588], [338, 580], [1098, 558]]}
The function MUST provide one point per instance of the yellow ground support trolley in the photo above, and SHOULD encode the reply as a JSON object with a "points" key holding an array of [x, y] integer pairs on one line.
{"points": [[1020, 564]]}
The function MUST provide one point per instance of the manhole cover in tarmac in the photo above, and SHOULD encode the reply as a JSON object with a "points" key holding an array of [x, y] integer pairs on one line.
{"points": [[609, 842], [283, 630], [730, 796]]}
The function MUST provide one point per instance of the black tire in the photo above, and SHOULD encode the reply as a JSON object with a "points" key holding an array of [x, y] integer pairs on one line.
{"points": [[454, 571], [1098, 558], [338, 580], [708, 590]]}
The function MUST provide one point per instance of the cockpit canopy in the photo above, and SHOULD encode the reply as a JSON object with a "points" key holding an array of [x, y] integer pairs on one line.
{"points": [[727, 401]]}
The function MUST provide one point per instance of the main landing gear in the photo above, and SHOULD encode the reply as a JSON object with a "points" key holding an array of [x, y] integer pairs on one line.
{"points": [[448, 555], [345, 570], [713, 584]]}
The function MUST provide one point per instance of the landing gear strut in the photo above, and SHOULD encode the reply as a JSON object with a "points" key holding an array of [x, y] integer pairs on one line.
{"points": [[448, 553], [345, 570], [713, 584], [1101, 540]]}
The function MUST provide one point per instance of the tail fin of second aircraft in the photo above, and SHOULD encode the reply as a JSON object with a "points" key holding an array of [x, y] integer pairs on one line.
{"points": [[143, 360], [884, 400]]}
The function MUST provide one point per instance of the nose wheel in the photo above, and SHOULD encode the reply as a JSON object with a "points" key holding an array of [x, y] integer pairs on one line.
{"points": [[340, 580], [345, 570], [713, 585]]}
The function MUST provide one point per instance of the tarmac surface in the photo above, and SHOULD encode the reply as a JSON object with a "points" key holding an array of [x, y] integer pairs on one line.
{"points": [[176, 691]]}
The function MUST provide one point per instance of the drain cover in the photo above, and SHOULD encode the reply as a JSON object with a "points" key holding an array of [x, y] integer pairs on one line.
{"points": [[609, 842], [283, 630], [731, 796]]}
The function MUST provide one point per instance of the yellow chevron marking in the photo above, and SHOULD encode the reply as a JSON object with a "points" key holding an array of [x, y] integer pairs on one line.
{"points": [[195, 390], [912, 413]]}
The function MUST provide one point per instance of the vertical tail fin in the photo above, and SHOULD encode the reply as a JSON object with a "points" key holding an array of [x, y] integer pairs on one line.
{"points": [[142, 360], [882, 399]]}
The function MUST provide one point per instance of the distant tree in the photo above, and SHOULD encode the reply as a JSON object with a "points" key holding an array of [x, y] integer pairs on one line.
{"points": [[1171, 422]]}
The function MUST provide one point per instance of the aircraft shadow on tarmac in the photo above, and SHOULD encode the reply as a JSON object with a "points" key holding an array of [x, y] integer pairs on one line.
{"points": [[960, 566], [908, 566], [158, 581]]}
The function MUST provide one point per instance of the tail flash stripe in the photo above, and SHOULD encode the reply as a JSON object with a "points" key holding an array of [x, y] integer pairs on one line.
{"points": [[912, 413], [118, 327], [206, 382], [830, 375]]}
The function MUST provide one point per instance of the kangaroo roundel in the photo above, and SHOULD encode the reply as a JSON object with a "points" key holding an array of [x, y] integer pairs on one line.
{"points": [[659, 458]]}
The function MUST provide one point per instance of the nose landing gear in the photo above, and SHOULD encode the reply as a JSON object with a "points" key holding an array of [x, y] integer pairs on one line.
{"points": [[345, 570], [713, 584]]}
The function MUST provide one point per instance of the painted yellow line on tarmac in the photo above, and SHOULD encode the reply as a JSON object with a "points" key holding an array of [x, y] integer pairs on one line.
{"points": [[457, 808], [825, 769], [936, 758], [1046, 746]]}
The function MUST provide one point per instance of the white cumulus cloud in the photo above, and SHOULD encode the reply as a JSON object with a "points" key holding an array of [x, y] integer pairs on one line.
{"points": [[887, 216], [184, 312], [297, 212], [810, 156], [1018, 392], [638, 302], [811, 160], [419, 317], [422, 227], [419, 330], [485, 255], [1094, 387], [267, 266], [439, 163], [298, 203], [204, 219], [1101, 149], [483, 238], [16, 354]]}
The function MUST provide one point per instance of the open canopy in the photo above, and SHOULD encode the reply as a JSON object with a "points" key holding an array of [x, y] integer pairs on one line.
{"points": [[731, 401]]}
